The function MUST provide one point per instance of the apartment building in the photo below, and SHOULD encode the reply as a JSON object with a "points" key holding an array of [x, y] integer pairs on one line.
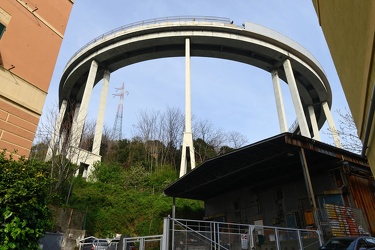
{"points": [[31, 33]]}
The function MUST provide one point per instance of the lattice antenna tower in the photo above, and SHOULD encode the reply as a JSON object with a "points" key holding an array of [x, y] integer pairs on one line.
{"points": [[117, 127]]}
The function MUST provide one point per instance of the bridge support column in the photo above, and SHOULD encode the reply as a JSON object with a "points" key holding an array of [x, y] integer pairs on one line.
{"points": [[74, 123], [56, 132], [187, 142], [314, 123], [296, 99], [79, 123], [62, 141], [100, 119], [331, 125], [279, 102]]}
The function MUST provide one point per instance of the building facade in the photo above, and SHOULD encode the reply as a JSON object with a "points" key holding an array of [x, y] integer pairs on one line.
{"points": [[285, 181], [31, 34], [349, 29]]}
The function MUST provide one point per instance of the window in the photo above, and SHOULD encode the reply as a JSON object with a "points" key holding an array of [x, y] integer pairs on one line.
{"points": [[4, 21], [334, 199], [2, 29]]}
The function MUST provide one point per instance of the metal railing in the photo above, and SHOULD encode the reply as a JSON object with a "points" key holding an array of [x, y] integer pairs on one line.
{"points": [[152, 21], [142, 243], [294, 126], [205, 235]]}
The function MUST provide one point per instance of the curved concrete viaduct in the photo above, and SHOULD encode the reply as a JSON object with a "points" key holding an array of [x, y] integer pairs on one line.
{"points": [[204, 37]]}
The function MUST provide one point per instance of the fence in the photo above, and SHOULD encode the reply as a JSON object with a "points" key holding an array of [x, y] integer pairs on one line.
{"points": [[205, 235], [142, 243], [338, 220]]}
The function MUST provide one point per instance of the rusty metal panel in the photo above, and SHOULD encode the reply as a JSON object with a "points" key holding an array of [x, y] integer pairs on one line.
{"points": [[322, 148], [363, 192]]}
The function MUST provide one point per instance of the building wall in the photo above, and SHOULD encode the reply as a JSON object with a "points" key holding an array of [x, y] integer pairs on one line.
{"points": [[288, 205], [247, 206], [28, 51], [349, 29]]}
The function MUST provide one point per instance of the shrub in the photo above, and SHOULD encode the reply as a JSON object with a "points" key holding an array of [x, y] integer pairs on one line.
{"points": [[24, 214]]}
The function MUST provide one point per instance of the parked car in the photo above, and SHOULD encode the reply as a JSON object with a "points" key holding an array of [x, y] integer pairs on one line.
{"points": [[95, 244], [349, 243]]}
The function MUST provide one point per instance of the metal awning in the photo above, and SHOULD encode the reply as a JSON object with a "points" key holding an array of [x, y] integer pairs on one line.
{"points": [[272, 161]]}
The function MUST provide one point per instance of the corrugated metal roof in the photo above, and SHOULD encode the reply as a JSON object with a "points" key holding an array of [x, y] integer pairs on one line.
{"points": [[270, 161]]}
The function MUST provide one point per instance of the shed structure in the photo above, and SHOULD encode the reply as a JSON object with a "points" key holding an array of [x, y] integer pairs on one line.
{"points": [[287, 181]]}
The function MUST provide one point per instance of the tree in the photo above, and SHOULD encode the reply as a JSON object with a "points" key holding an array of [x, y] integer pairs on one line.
{"points": [[63, 157], [207, 140], [173, 127], [203, 150], [347, 132], [25, 216], [205, 130], [161, 134], [236, 139]]}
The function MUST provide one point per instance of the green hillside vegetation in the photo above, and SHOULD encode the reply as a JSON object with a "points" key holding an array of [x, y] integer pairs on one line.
{"points": [[124, 194], [128, 201]]}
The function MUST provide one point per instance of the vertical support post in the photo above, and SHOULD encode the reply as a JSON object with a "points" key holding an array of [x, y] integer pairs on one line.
{"points": [[279, 102], [56, 131], [84, 104], [100, 119], [310, 190], [277, 236], [165, 239], [299, 239], [173, 232], [174, 208], [218, 240], [187, 142], [296, 99], [215, 230], [331, 125], [142, 244], [314, 123], [251, 235]]}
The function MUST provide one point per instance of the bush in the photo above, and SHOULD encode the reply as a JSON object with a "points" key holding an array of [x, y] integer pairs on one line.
{"points": [[24, 188]]}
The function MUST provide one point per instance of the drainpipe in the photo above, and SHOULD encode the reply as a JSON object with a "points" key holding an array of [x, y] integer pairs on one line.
{"points": [[369, 122]]}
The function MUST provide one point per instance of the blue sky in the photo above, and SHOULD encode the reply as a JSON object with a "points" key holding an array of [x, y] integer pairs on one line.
{"points": [[233, 96]]}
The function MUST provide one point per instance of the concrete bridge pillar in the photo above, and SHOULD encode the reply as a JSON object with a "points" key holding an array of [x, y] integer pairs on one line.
{"points": [[81, 116], [187, 142], [100, 119], [296, 99], [279, 102], [314, 123], [331, 125], [56, 131]]}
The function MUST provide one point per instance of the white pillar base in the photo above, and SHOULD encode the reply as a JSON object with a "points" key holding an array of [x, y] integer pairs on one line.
{"points": [[187, 147], [331, 124]]}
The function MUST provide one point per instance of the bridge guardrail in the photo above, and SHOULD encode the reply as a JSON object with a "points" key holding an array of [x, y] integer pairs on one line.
{"points": [[152, 21]]}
